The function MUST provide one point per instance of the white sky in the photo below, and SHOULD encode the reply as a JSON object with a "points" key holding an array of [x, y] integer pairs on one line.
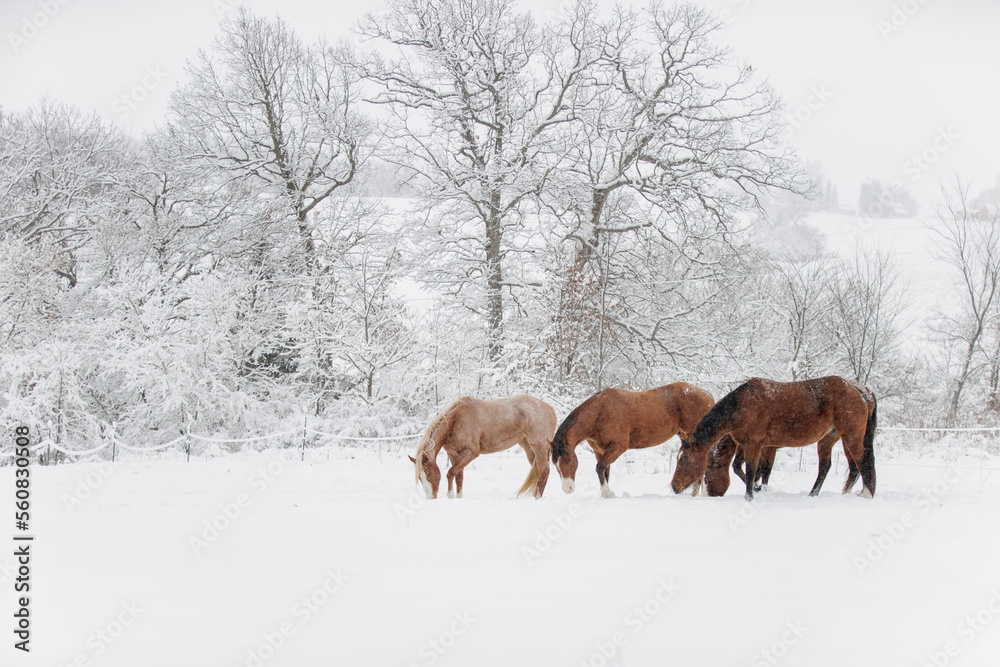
{"points": [[890, 96]]}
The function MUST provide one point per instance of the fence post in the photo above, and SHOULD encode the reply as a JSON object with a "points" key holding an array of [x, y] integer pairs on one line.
{"points": [[305, 426]]}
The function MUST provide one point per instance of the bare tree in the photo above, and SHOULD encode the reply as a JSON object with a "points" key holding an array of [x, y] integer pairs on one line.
{"points": [[476, 90], [671, 143], [58, 168], [801, 298], [264, 106], [670, 117], [867, 306], [972, 248]]}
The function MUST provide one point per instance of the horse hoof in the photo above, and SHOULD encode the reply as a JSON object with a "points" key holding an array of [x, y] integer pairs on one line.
{"points": [[607, 493], [451, 494], [865, 493]]}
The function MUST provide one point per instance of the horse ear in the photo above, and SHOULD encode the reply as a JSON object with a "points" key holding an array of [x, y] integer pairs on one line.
{"points": [[411, 458]]}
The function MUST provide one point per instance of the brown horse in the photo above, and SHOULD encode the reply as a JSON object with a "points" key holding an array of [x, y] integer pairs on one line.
{"points": [[615, 420], [717, 475], [471, 426], [764, 413]]}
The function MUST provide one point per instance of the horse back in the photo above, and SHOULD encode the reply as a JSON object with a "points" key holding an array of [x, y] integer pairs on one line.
{"points": [[500, 424], [800, 413], [654, 416]]}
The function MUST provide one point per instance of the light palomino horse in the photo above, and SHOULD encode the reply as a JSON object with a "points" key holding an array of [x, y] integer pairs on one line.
{"points": [[471, 426]]}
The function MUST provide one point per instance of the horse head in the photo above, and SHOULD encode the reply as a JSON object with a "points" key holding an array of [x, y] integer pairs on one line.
{"points": [[692, 463], [717, 472], [565, 461], [428, 473]]}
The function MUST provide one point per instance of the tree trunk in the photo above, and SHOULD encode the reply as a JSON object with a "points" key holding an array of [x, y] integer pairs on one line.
{"points": [[963, 376], [588, 246], [494, 281]]}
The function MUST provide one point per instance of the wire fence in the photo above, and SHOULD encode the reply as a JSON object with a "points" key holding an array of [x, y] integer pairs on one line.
{"points": [[303, 438], [982, 444]]}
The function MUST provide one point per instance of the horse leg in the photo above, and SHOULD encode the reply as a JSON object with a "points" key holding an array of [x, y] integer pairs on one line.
{"points": [[764, 467], [738, 464], [751, 456], [824, 448], [854, 449], [609, 456], [542, 464], [852, 473], [458, 462]]}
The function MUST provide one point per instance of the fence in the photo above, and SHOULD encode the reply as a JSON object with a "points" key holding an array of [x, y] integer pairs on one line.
{"points": [[657, 459], [49, 451]]}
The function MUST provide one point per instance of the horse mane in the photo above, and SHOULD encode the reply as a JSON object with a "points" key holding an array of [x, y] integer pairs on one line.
{"points": [[715, 420], [432, 436], [559, 439]]}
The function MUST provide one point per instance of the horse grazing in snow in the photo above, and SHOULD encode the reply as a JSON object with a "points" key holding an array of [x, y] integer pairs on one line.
{"points": [[717, 475], [471, 426], [764, 413], [615, 420]]}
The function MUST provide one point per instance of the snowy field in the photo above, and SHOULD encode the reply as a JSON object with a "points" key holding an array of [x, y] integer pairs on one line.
{"points": [[260, 559]]}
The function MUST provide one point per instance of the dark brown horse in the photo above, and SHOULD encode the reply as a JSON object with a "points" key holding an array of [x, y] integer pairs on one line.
{"points": [[717, 474], [615, 420], [764, 413], [471, 426]]}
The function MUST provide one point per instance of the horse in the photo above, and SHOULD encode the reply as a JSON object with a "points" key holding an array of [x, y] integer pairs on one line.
{"points": [[765, 413], [717, 476], [615, 420], [472, 426]]}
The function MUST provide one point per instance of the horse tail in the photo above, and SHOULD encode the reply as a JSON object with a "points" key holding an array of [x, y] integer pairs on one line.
{"points": [[432, 436], [868, 457], [716, 421], [531, 482]]}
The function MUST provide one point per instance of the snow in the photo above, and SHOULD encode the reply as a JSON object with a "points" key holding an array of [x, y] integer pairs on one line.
{"points": [[339, 560]]}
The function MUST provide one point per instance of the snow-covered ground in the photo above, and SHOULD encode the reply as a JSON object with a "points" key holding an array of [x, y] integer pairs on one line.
{"points": [[260, 559]]}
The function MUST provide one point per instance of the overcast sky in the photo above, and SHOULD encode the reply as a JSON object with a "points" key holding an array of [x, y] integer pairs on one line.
{"points": [[896, 90]]}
